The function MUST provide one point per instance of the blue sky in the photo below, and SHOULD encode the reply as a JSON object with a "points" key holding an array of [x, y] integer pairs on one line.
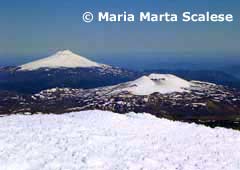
{"points": [[38, 28]]}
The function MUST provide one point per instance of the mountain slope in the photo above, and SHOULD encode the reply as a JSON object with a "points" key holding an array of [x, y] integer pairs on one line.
{"points": [[105, 140], [41, 79], [64, 58]]}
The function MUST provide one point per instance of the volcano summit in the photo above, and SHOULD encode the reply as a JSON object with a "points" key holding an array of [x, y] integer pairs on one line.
{"points": [[64, 58]]}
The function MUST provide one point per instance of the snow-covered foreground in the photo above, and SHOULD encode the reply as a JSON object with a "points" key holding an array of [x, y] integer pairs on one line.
{"points": [[108, 141]]}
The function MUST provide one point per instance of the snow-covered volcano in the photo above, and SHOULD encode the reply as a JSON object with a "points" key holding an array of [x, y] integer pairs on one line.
{"points": [[60, 59], [161, 83]]}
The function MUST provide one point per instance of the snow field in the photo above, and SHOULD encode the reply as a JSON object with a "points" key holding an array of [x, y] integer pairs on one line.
{"points": [[100, 140]]}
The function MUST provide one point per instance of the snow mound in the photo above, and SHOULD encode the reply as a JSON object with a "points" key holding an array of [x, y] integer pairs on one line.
{"points": [[64, 58], [105, 140], [161, 83]]}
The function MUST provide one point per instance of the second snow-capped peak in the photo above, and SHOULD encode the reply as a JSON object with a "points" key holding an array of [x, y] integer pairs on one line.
{"points": [[161, 83]]}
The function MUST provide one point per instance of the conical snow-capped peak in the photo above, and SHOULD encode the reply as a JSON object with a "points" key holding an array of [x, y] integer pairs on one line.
{"points": [[161, 83], [64, 58]]}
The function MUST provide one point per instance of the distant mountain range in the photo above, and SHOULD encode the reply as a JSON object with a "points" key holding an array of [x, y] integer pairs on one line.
{"points": [[66, 69]]}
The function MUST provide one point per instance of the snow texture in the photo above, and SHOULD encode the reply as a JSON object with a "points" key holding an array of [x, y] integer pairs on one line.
{"points": [[64, 58], [100, 140], [161, 83]]}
